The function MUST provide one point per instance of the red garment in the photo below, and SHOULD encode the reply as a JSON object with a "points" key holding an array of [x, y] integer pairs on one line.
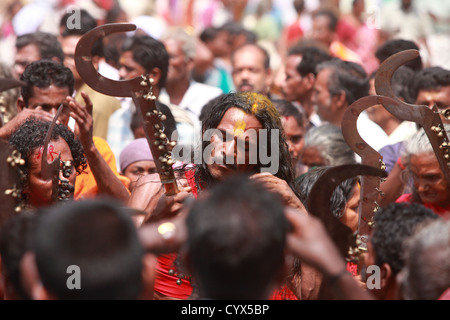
{"points": [[440, 211], [165, 283], [294, 32], [445, 295], [283, 293], [352, 268]]}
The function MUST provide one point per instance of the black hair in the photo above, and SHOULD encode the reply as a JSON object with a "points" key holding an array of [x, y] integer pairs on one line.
{"points": [[208, 34], [16, 237], [311, 57], [299, 6], [86, 23], [100, 238], [330, 14], [266, 114], [149, 53], [31, 136], [394, 224], [48, 45], [429, 78], [401, 83], [348, 77], [394, 46], [44, 73], [288, 109], [339, 197], [236, 238]]}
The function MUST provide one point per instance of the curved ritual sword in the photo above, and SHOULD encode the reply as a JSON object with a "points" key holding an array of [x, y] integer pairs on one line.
{"points": [[50, 170], [428, 118], [370, 185], [320, 195], [140, 90]]}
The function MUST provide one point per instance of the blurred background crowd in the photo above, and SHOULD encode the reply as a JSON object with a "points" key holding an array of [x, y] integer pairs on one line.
{"points": [[362, 27]]}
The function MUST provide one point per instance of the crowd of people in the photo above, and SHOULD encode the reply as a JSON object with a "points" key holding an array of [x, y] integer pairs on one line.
{"points": [[253, 94]]}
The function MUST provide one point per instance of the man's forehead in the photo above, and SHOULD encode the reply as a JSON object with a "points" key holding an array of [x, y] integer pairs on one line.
{"points": [[50, 90]]}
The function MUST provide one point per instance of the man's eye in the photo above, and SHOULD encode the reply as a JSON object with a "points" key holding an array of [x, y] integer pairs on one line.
{"points": [[442, 106]]}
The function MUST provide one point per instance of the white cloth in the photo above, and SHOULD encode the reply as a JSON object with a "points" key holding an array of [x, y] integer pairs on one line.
{"points": [[370, 132], [197, 95], [402, 133]]}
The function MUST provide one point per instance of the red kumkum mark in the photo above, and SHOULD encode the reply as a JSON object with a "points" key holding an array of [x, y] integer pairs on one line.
{"points": [[52, 154]]}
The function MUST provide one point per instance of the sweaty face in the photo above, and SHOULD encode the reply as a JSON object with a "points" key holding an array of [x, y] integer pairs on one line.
{"points": [[233, 144], [294, 137], [129, 69], [40, 191], [439, 97], [138, 169], [49, 99], [428, 179], [249, 73], [293, 89]]}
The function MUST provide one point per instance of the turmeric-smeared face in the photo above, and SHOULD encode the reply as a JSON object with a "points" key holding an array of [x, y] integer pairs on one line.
{"points": [[39, 190], [233, 144]]}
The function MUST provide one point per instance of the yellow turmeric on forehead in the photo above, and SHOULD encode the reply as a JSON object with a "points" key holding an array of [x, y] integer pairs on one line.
{"points": [[239, 128], [260, 102]]}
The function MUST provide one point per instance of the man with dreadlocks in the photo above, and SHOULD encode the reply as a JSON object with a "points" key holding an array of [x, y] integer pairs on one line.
{"points": [[242, 134]]}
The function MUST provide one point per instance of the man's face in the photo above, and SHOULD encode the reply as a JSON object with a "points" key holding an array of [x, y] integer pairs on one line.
{"points": [[321, 30], [69, 45], [24, 57], [221, 45], [439, 97], [129, 69], [138, 169], [180, 66], [249, 73], [40, 191], [322, 97], [49, 99], [236, 129], [293, 89], [294, 137]]}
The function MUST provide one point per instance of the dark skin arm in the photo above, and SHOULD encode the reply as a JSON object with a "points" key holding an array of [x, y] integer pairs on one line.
{"points": [[20, 118], [277, 185], [107, 182]]}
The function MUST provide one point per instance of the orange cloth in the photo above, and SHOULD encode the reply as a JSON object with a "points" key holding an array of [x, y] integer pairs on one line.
{"points": [[85, 184], [338, 49]]}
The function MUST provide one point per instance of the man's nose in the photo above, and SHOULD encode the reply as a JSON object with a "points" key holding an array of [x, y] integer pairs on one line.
{"points": [[290, 146]]}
